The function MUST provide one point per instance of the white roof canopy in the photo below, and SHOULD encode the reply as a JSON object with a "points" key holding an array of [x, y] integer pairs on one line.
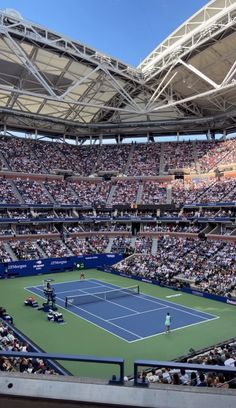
{"points": [[58, 86]]}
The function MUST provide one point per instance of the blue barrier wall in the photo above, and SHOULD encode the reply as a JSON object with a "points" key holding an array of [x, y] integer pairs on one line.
{"points": [[186, 290], [102, 261], [209, 296], [50, 265]]}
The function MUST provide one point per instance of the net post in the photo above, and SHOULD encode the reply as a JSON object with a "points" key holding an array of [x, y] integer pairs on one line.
{"points": [[66, 302]]}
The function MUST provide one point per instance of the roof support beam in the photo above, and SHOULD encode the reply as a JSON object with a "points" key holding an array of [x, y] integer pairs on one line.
{"points": [[162, 90], [64, 45], [199, 74], [153, 97], [14, 46], [79, 82], [230, 74], [194, 97], [122, 91], [67, 101], [216, 19]]}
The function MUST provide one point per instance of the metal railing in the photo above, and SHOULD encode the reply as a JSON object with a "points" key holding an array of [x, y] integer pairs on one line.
{"points": [[72, 357], [168, 364]]}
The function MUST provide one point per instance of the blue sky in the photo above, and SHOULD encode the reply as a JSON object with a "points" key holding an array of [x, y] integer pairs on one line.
{"points": [[126, 29]]}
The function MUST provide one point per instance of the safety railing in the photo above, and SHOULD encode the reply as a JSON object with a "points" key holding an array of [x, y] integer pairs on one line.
{"points": [[177, 366], [73, 357]]}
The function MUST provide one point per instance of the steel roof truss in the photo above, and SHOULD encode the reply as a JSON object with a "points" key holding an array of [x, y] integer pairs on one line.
{"points": [[79, 82], [230, 74], [49, 98], [19, 52], [199, 74], [120, 89], [191, 33], [197, 96], [158, 87], [161, 90], [78, 109], [41, 35]]}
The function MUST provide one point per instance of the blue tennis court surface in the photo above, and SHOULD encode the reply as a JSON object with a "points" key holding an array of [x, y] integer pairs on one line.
{"points": [[133, 317]]}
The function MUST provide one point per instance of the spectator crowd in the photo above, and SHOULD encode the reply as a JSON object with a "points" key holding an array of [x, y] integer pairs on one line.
{"points": [[205, 265]]}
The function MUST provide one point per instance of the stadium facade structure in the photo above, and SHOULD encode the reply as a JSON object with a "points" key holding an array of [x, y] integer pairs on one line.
{"points": [[52, 85]]}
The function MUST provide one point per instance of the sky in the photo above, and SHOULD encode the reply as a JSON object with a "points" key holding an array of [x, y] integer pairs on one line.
{"points": [[125, 29]]}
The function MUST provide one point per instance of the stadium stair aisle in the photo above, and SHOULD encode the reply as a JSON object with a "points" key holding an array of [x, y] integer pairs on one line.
{"points": [[47, 193], [16, 191], [154, 246], [139, 194], [10, 251], [130, 157], [108, 248], [111, 194], [4, 162], [195, 155], [168, 194], [162, 161]]}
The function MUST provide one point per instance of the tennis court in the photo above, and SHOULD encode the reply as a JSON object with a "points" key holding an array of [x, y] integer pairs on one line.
{"points": [[123, 312]]}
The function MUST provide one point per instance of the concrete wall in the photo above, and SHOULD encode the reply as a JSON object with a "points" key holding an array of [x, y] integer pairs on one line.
{"points": [[32, 391]]}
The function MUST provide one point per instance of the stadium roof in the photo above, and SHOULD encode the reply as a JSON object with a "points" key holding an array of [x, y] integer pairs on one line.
{"points": [[58, 86]]}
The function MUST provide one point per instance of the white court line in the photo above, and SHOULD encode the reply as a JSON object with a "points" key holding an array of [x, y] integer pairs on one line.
{"points": [[93, 293], [155, 301], [124, 307], [109, 301], [60, 283], [145, 297], [139, 313], [96, 281], [28, 289], [86, 320], [177, 328], [173, 306], [113, 302], [171, 296], [80, 290], [105, 283], [75, 281], [104, 320], [192, 314], [68, 291]]}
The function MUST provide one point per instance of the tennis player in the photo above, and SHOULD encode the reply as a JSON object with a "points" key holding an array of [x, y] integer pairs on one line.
{"points": [[168, 322], [82, 275]]}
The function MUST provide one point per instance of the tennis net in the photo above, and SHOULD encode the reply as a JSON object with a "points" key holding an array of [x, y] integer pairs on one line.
{"points": [[100, 296]]}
